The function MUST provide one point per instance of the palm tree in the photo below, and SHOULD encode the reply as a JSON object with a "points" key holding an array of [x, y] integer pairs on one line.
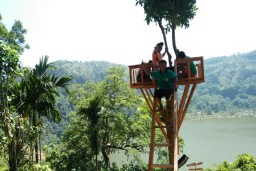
{"points": [[92, 114], [38, 95]]}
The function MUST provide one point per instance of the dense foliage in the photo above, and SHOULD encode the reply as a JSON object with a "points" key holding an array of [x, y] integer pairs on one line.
{"points": [[243, 162], [26, 96], [229, 89], [107, 120]]}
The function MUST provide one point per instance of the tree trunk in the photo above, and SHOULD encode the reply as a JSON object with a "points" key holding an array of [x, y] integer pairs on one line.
{"points": [[36, 151], [40, 147], [176, 51], [13, 166], [105, 156], [165, 42], [96, 158], [173, 26]]}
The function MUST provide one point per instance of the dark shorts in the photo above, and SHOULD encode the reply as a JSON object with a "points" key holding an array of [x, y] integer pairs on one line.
{"points": [[160, 93]]}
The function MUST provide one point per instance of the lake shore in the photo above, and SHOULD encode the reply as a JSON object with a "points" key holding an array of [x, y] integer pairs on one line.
{"points": [[223, 115]]}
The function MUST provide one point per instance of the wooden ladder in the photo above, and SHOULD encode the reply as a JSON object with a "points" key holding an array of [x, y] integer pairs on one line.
{"points": [[171, 137]]}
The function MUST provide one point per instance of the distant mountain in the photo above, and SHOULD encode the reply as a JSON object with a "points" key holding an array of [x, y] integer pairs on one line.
{"points": [[82, 72], [229, 89], [230, 85]]}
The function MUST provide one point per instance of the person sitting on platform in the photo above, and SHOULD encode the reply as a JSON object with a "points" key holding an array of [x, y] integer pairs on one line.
{"points": [[146, 68], [167, 83], [157, 56], [183, 68]]}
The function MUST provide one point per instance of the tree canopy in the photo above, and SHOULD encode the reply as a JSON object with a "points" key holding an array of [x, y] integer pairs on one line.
{"points": [[169, 14], [15, 38]]}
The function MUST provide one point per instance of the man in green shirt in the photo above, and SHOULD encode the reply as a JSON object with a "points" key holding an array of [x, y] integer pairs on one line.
{"points": [[184, 68], [167, 83]]}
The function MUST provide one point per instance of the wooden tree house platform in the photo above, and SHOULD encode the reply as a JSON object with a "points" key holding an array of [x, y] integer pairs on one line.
{"points": [[174, 119]]}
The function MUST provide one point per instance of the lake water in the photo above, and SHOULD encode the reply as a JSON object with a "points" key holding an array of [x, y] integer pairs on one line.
{"points": [[214, 141]]}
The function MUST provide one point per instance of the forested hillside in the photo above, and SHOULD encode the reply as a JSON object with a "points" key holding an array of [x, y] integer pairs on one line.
{"points": [[229, 90], [82, 72], [230, 82]]}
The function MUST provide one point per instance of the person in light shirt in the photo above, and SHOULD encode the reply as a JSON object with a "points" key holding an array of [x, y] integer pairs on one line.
{"points": [[157, 56]]}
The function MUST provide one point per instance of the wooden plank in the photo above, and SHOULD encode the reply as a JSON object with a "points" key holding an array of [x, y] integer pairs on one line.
{"points": [[162, 129], [152, 139], [176, 136], [182, 102], [149, 95], [194, 164], [180, 82], [164, 126], [133, 69], [148, 102], [195, 169], [187, 104]]}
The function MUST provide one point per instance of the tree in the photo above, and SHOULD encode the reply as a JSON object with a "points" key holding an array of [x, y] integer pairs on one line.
{"points": [[8, 63], [119, 124], [92, 113], [12, 44], [38, 95], [169, 14], [15, 37], [243, 162]]}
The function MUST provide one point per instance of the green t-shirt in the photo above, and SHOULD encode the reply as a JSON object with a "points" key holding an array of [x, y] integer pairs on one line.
{"points": [[192, 67], [164, 80]]}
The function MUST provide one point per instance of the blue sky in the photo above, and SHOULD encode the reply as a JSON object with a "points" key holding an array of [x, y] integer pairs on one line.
{"points": [[115, 30]]}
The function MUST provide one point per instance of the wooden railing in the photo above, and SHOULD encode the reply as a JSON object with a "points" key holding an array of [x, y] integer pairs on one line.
{"points": [[136, 76], [199, 62], [138, 81]]}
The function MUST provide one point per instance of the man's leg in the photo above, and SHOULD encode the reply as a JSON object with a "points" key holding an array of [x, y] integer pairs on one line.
{"points": [[158, 96], [169, 95], [160, 104]]}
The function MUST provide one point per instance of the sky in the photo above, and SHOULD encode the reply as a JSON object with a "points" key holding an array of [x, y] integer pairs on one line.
{"points": [[116, 31]]}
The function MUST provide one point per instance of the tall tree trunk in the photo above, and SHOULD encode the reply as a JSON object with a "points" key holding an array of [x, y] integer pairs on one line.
{"points": [[165, 42], [105, 156], [96, 158], [13, 166], [176, 51], [40, 147], [31, 149], [36, 150], [34, 119]]}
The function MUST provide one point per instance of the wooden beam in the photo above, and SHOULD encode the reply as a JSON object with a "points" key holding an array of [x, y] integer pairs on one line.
{"points": [[182, 102], [187, 104], [175, 128], [149, 95], [148, 102], [152, 139]]}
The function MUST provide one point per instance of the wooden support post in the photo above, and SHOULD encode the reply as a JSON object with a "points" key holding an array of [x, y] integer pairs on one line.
{"points": [[187, 104], [152, 140]]}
